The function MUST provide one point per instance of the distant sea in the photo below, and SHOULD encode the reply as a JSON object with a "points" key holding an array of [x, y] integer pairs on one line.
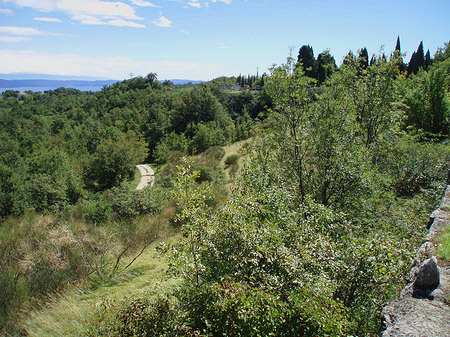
{"points": [[46, 88], [42, 85]]}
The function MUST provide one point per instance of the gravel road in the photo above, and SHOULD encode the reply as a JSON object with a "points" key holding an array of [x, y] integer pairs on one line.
{"points": [[147, 176]]}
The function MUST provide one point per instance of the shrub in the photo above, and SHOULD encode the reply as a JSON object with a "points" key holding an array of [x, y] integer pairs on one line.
{"points": [[127, 204], [214, 155], [231, 159], [239, 309], [97, 211], [140, 317]]}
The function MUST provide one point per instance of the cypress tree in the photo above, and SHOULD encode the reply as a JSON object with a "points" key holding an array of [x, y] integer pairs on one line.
{"points": [[417, 60], [420, 56], [397, 46], [412, 65], [363, 58], [428, 61], [306, 58], [398, 53], [349, 58]]}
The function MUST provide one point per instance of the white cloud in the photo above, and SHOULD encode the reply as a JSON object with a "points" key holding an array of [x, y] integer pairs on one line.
{"points": [[27, 31], [123, 23], [15, 39], [93, 20], [184, 31], [41, 5], [97, 8], [223, 46], [195, 3], [31, 61], [162, 22], [6, 11], [94, 12], [143, 3], [228, 2], [47, 19]]}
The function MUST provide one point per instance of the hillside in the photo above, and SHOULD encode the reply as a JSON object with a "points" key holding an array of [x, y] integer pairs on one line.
{"points": [[292, 210]]}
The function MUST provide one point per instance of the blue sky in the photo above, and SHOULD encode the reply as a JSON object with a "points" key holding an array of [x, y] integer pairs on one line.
{"points": [[204, 39]]}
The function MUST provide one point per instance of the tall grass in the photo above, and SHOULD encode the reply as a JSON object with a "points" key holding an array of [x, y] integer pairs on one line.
{"points": [[444, 245], [69, 314]]}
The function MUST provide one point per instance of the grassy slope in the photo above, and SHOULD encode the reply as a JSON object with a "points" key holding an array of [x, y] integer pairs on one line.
{"points": [[235, 148], [65, 314]]}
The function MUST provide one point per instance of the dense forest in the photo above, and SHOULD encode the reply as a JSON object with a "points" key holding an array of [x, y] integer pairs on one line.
{"points": [[309, 230]]}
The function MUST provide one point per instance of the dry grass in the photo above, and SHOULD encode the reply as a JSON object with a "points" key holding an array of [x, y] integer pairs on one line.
{"points": [[67, 314]]}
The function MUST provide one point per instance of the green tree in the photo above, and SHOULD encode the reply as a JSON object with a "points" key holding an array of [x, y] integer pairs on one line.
{"points": [[442, 53], [428, 61], [326, 65], [307, 60], [172, 142], [191, 200], [199, 105], [289, 90], [374, 97], [397, 45], [417, 60], [427, 100], [114, 161], [336, 153], [363, 58]]}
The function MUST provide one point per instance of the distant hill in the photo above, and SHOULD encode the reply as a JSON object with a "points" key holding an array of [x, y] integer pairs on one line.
{"points": [[178, 81], [32, 76]]}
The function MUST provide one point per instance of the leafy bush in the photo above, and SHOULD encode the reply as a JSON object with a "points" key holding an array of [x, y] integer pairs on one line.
{"points": [[206, 136], [238, 309], [231, 159], [413, 167], [172, 143], [139, 318], [127, 204], [97, 211], [223, 309]]}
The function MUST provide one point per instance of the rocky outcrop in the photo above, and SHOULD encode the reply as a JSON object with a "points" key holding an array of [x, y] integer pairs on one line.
{"points": [[423, 306]]}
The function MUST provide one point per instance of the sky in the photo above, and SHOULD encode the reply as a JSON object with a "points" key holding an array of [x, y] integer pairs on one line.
{"points": [[204, 39]]}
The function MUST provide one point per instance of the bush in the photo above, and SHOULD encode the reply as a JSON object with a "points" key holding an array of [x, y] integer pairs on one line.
{"points": [[231, 159], [238, 309], [97, 211], [140, 317], [127, 204], [214, 155]]}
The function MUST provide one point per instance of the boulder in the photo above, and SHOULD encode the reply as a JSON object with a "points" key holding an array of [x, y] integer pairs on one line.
{"points": [[427, 278]]}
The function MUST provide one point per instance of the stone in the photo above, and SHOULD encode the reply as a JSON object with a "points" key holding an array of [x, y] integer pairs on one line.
{"points": [[427, 278]]}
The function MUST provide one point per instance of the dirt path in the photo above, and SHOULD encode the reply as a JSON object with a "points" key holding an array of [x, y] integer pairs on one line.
{"points": [[147, 176]]}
